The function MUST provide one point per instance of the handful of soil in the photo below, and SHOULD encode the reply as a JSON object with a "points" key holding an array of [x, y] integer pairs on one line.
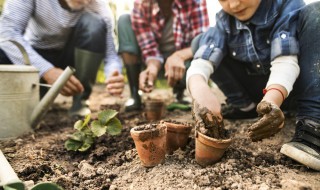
{"points": [[209, 124]]}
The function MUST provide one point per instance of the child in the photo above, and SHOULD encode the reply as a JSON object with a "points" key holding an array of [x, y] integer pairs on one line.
{"points": [[264, 53]]}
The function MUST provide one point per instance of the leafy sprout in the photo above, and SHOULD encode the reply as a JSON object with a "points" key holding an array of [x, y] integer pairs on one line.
{"points": [[88, 130]]}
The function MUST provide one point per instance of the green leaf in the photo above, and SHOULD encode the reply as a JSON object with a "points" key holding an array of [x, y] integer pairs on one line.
{"points": [[106, 115], [78, 136], [86, 144], [71, 144], [87, 119], [78, 125], [114, 127], [98, 129]]}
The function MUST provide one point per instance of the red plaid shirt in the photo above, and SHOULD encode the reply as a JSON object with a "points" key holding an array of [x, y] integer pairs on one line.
{"points": [[190, 18]]}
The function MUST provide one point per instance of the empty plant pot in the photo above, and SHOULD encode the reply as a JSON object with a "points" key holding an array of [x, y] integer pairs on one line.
{"points": [[177, 135], [154, 109], [209, 150], [150, 142]]}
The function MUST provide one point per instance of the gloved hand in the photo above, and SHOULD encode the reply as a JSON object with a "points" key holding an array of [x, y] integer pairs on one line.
{"points": [[270, 123]]}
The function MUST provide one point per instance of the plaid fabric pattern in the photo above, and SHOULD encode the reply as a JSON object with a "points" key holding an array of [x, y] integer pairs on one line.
{"points": [[190, 18]]}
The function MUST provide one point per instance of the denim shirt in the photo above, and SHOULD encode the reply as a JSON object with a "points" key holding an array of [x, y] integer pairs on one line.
{"points": [[270, 32]]}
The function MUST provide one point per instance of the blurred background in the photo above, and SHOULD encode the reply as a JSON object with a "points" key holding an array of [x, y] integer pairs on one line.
{"points": [[120, 7]]}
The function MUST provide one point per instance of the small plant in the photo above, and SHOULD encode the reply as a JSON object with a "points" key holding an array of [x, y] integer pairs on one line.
{"points": [[88, 130]]}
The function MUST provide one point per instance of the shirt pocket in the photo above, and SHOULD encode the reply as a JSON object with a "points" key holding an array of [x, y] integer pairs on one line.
{"points": [[238, 51]]}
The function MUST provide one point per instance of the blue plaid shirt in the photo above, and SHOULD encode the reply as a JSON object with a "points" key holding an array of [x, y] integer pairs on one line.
{"points": [[271, 32]]}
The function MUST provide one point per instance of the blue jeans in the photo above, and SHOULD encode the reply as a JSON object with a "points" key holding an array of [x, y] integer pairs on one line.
{"points": [[241, 86]]}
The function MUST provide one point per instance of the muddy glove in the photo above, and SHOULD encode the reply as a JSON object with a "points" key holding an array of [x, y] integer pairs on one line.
{"points": [[270, 123], [207, 123]]}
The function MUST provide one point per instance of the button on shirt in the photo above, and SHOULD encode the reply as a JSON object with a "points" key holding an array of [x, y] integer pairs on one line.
{"points": [[189, 19], [44, 24], [271, 32]]}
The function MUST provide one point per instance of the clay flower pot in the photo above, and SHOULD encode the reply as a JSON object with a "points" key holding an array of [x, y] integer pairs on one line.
{"points": [[154, 109], [177, 135], [209, 150], [150, 143]]}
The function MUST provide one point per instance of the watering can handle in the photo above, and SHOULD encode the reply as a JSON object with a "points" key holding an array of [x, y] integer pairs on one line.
{"points": [[23, 51]]}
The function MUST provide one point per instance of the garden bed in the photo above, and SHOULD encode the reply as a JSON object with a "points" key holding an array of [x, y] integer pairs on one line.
{"points": [[113, 163]]}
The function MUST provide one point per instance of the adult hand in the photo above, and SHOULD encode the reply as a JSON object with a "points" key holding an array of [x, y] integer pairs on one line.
{"points": [[73, 85], [174, 69], [148, 76], [115, 83], [271, 122]]}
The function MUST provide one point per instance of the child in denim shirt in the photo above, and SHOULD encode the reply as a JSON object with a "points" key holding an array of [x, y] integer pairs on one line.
{"points": [[263, 55]]}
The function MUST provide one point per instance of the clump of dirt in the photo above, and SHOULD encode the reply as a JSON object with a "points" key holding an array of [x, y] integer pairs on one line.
{"points": [[148, 126], [209, 124]]}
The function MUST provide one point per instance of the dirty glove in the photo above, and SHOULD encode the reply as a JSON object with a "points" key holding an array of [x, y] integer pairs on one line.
{"points": [[207, 123], [270, 123]]}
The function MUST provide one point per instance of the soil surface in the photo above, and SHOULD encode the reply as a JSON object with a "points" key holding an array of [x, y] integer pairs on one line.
{"points": [[113, 162]]}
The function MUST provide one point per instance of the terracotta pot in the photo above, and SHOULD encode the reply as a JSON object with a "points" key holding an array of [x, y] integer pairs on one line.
{"points": [[150, 144], [209, 150], [154, 109], [177, 135]]}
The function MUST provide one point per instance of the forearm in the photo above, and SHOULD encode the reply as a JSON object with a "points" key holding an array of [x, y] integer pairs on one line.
{"points": [[276, 94], [284, 72], [185, 53]]}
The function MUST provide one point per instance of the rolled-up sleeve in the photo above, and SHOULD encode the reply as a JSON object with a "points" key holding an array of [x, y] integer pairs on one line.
{"points": [[284, 34], [212, 45]]}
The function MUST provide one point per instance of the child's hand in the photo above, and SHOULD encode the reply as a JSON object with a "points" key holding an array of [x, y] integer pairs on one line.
{"points": [[272, 121]]}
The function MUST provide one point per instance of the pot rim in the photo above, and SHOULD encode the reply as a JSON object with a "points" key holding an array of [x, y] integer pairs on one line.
{"points": [[18, 69], [159, 131], [177, 127], [209, 140]]}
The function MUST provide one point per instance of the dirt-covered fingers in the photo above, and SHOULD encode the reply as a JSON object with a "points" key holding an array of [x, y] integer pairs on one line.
{"points": [[146, 80], [174, 75], [258, 132]]}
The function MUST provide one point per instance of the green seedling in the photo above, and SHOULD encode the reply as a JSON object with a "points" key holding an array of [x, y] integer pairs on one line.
{"points": [[88, 130]]}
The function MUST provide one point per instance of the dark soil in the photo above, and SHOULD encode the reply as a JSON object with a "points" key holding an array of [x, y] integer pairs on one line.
{"points": [[113, 163]]}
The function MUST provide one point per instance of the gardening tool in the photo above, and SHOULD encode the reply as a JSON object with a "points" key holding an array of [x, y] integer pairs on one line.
{"points": [[10, 181], [20, 109]]}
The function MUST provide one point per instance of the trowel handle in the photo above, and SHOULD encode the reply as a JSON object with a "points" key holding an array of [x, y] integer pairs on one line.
{"points": [[7, 174]]}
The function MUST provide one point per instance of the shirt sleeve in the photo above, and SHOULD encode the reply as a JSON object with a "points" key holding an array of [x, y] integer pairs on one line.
{"points": [[199, 18], [112, 60], [145, 37], [14, 19], [212, 45], [284, 34]]}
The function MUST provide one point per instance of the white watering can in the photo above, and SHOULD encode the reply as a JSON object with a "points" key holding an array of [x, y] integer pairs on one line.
{"points": [[20, 108], [20, 105]]}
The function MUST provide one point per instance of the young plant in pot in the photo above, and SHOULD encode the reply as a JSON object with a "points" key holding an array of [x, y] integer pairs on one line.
{"points": [[177, 134], [212, 139], [150, 142], [89, 129]]}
